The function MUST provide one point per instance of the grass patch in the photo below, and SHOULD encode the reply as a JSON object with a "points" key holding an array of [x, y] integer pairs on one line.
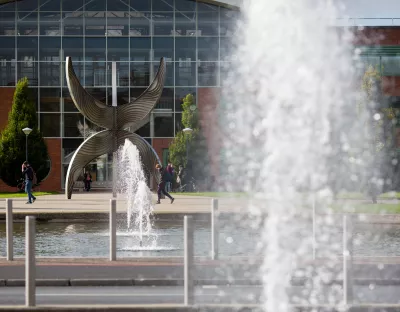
{"points": [[17, 195], [368, 208], [212, 194], [389, 195]]}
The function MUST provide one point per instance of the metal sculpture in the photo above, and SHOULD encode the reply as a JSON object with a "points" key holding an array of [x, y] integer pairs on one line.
{"points": [[115, 119]]}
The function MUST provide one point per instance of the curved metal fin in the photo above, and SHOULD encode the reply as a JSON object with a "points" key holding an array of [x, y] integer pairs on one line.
{"points": [[133, 112], [96, 111]]}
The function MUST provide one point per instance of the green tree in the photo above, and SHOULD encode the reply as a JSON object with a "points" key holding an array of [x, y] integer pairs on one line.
{"points": [[195, 141], [12, 140]]}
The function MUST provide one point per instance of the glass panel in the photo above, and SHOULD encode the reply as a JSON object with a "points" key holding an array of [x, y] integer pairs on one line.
{"points": [[117, 6], [163, 47], [7, 23], [166, 100], [185, 49], [185, 24], [178, 123], [140, 74], [208, 23], [144, 131], [117, 23], [11, 6], [185, 73], [49, 48], [95, 49], [180, 94], [7, 73], [95, 74], [185, 5], [139, 24], [50, 74], [73, 23], [163, 24], [78, 68], [226, 48], [163, 5], [98, 5], [391, 65], [73, 47], [28, 69], [7, 49], [30, 5], [208, 49], [228, 19], [164, 125], [136, 92], [72, 5], [50, 99], [169, 78], [27, 24], [118, 49], [122, 74], [205, 7], [140, 49], [50, 5], [68, 105], [69, 147], [50, 124], [208, 74], [90, 128], [73, 125], [95, 24], [27, 48], [140, 5]]}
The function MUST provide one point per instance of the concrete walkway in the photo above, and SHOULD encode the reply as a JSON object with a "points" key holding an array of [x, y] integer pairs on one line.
{"points": [[99, 203]]}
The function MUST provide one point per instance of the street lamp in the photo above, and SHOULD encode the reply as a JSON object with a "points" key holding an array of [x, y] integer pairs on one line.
{"points": [[26, 131]]}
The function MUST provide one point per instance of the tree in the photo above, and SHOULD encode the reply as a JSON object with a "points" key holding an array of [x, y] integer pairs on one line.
{"points": [[198, 164], [12, 140]]}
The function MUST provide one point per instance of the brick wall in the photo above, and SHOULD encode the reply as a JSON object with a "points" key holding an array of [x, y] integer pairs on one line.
{"points": [[391, 85], [52, 183], [159, 144], [6, 97], [378, 35], [208, 100]]}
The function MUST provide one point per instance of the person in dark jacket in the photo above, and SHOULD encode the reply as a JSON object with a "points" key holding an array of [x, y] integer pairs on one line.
{"points": [[161, 186], [87, 179], [27, 171]]}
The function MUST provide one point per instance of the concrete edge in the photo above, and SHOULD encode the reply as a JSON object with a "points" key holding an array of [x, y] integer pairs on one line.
{"points": [[178, 282]]}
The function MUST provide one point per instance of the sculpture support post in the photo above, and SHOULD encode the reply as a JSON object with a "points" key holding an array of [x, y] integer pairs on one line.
{"points": [[9, 229], [347, 260], [188, 282], [214, 229], [30, 262], [113, 230], [114, 104]]}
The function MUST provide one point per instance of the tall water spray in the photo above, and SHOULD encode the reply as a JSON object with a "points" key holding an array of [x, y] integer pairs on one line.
{"points": [[132, 183], [293, 133]]}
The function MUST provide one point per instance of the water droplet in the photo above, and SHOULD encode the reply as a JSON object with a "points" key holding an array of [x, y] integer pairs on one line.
{"points": [[229, 240]]}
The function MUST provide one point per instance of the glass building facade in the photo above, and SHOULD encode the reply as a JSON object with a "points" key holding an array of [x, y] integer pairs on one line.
{"points": [[37, 35]]}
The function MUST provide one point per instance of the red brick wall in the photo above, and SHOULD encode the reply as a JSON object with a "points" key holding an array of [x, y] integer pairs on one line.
{"points": [[208, 101], [6, 97], [159, 144], [53, 181], [378, 35], [391, 85]]}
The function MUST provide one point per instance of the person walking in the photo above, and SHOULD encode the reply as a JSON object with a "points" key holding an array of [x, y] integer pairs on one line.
{"points": [[27, 171], [87, 177], [169, 182], [161, 186]]}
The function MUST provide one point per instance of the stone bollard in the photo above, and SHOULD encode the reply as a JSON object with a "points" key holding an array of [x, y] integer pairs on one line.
{"points": [[214, 229], [188, 283], [347, 260], [30, 262], [113, 230], [9, 229]]}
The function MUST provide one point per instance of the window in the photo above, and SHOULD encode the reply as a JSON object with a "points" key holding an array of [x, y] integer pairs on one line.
{"points": [[50, 100], [50, 124]]}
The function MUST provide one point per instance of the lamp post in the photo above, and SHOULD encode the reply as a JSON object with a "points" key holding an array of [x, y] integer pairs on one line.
{"points": [[187, 131], [27, 131]]}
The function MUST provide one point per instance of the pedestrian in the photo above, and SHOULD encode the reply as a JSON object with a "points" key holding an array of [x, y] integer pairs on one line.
{"points": [[161, 186], [87, 178], [181, 178], [170, 169], [29, 174]]}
